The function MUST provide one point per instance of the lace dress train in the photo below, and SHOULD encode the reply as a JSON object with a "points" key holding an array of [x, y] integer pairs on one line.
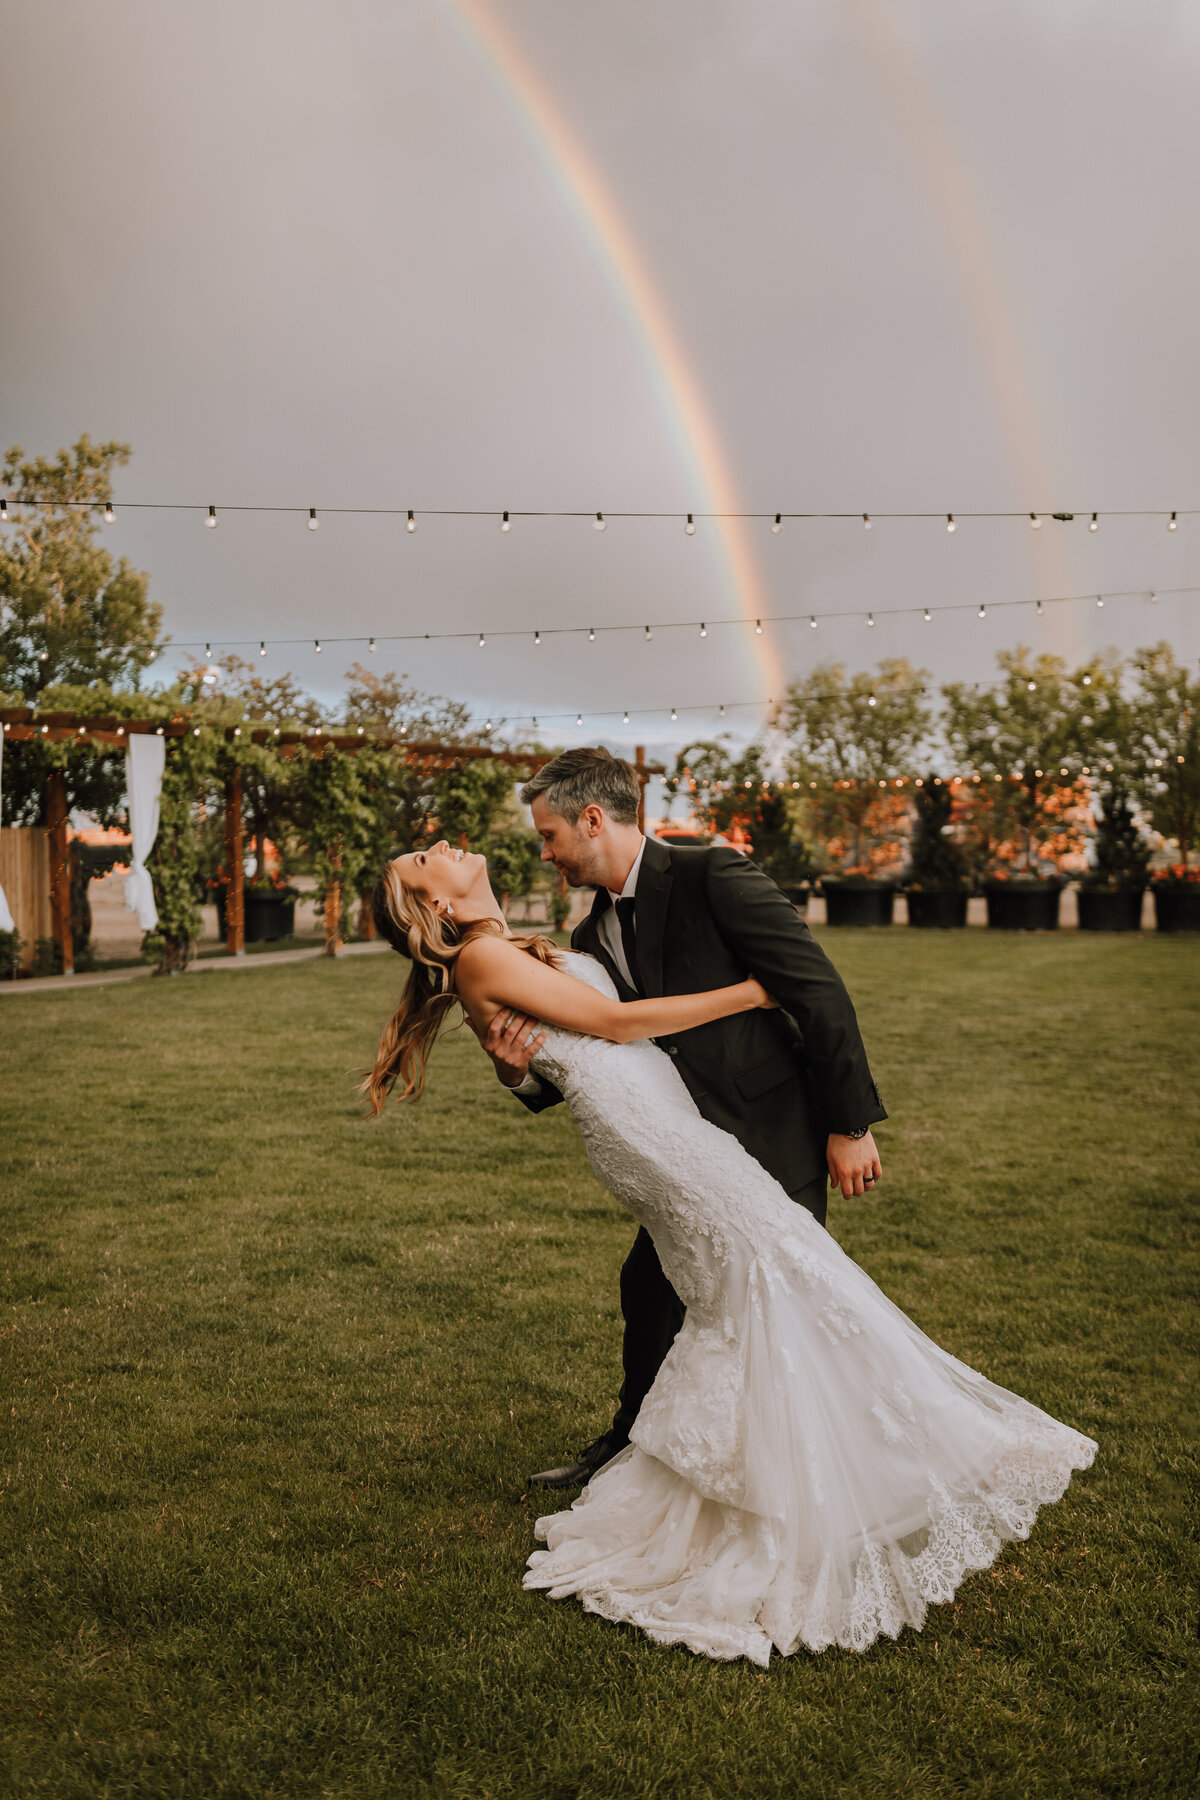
{"points": [[808, 1468]]}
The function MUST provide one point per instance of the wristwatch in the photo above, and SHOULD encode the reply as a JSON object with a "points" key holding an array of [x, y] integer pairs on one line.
{"points": [[860, 1133]]}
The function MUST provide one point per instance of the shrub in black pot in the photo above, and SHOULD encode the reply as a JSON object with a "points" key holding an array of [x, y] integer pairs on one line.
{"points": [[857, 900], [1110, 894], [1023, 902], [937, 883], [1177, 899]]}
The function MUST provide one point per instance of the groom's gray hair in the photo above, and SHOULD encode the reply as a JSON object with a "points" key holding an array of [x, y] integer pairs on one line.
{"points": [[580, 778]]}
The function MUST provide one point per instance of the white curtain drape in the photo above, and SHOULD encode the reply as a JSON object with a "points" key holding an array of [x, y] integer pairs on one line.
{"points": [[6, 918], [145, 760]]}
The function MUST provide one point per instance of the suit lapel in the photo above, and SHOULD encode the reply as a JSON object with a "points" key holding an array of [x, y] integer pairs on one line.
{"points": [[653, 895]]}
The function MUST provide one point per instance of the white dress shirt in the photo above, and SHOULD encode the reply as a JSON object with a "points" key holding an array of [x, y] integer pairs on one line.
{"points": [[609, 932]]}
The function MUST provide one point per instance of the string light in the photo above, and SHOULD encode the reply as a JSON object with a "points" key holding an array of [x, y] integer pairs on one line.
{"points": [[812, 621], [537, 637], [313, 521], [482, 640], [1035, 521], [599, 523], [982, 610], [505, 523], [1153, 598], [928, 615], [950, 525], [690, 527], [871, 700], [317, 645], [487, 726], [1173, 523], [777, 524], [1039, 609], [721, 712], [3, 512], [1095, 524], [109, 514], [579, 718], [703, 629], [1099, 599], [208, 652], [870, 618], [649, 635], [674, 715], [411, 522], [758, 627], [1031, 685], [591, 635], [866, 521], [212, 520], [371, 644], [262, 647], [625, 718]]}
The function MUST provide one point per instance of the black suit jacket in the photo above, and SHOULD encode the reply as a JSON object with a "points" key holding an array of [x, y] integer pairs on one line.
{"points": [[780, 1081]]}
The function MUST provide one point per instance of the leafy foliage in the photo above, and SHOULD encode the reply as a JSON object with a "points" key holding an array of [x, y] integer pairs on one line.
{"points": [[730, 792], [937, 858], [1166, 752]]}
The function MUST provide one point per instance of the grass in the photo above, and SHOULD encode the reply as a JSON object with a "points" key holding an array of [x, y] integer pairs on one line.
{"points": [[275, 1376]]}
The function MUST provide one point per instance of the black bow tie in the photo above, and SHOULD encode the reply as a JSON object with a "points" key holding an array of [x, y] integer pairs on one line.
{"points": [[625, 911]]}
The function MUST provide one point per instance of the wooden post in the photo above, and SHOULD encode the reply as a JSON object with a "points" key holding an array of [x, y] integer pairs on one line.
{"points": [[639, 757], [333, 905], [235, 918], [60, 869]]}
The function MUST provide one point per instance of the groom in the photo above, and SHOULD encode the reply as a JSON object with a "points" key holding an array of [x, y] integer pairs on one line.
{"points": [[792, 1085]]}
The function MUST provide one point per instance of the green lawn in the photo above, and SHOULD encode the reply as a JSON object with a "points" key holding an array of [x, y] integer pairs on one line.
{"points": [[275, 1375]]}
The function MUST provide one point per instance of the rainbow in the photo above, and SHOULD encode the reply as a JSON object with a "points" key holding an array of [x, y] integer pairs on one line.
{"points": [[631, 284]]}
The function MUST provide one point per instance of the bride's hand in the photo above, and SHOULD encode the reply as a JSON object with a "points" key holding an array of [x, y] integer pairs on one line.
{"points": [[757, 994]]}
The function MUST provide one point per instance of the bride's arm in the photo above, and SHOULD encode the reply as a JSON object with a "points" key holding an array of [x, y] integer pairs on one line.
{"points": [[490, 974]]}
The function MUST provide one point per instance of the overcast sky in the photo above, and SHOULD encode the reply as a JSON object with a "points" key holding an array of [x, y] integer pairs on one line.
{"points": [[646, 257]]}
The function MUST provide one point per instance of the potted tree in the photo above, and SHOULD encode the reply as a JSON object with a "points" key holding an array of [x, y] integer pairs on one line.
{"points": [[1110, 894], [1167, 778], [1020, 736], [851, 740], [731, 793], [938, 882]]}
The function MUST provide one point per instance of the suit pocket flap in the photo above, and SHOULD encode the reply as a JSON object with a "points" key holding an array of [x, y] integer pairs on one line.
{"points": [[783, 1066]]}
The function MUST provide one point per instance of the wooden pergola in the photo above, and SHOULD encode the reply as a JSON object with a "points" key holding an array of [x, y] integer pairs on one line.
{"points": [[21, 724]]}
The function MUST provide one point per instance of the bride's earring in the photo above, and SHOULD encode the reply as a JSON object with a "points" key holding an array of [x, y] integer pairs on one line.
{"points": [[449, 910]]}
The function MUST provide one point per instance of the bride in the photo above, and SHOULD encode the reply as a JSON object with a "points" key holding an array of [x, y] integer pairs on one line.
{"points": [[808, 1467]]}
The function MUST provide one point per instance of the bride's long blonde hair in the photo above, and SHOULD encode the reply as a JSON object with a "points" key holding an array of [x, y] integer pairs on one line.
{"points": [[432, 942]]}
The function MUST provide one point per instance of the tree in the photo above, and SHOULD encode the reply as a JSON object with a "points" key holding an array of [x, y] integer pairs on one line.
{"points": [[1023, 729], [1166, 745], [406, 794], [69, 612], [855, 735], [937, 858], [731, 792]]}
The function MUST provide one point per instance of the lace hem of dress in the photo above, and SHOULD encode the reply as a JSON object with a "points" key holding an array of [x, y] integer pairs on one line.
{"points": [[891, 1583]]}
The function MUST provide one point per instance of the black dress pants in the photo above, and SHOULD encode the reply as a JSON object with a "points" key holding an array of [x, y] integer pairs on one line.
{"points": [[653, 1313]]}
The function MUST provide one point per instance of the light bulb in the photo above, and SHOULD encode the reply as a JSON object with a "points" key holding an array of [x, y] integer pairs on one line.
{"points": [[505, 523], [537, 637], [208, 652], [1099, 599], [411, 525], [703, 629], [1095, 524], [534, 722], [624, 718], [262, 647], [1087, 681], [591, 635], [720, 712], [1031, 685], [317, 645], [649, 635], [3, 512], [1039, 609], [690, 527], [212, 520], [487, 726], [928, 615], [870, 618], [812, 621], [758, 627], [866, 521], [1173, 523], [950, 525], [777, 524], [579, 718], [871, 701], [109, 514], [674, 715], [982, 611], [1035, 521], [482, 640], [371, 644], [313, 521], [598, 523], [1154, 599]]}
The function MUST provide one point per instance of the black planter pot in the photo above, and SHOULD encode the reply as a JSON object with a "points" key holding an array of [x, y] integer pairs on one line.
{"points": [[267, 917], [936, 909], [1100, 911], [1177, 909], [798, 897], [848, 904], [1013, 906]]}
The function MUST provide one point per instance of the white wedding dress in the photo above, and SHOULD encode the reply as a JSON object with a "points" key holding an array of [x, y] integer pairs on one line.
{"points": [[808, 1467]]}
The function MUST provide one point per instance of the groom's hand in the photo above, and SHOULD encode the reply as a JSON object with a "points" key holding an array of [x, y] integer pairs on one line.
{"points": [[853, 1164], [512, 1041]]}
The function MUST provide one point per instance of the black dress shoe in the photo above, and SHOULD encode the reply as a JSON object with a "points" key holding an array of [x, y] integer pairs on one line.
{"points": [[576, 1474]]}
